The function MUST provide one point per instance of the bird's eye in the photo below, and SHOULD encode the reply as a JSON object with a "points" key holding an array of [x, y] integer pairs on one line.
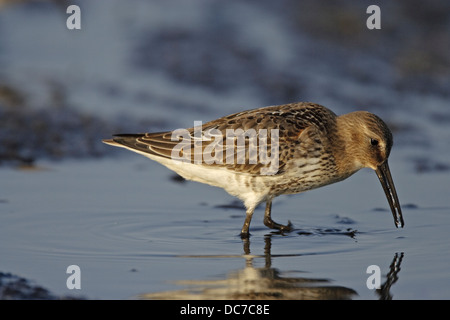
{"points": [[374, 142]]}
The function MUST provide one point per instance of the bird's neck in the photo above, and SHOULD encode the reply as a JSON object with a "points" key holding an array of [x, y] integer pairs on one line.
{"points": [[346, 147]]}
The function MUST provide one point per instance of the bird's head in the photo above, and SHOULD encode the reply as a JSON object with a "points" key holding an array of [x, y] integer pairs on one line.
{"points": [[367, 142]]}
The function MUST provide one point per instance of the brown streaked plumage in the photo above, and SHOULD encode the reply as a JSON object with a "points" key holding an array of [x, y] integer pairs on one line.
{"points": [[309, 144]]}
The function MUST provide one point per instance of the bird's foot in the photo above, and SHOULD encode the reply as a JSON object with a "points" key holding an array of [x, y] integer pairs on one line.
{"points": [[245, 235], [282, 228]]}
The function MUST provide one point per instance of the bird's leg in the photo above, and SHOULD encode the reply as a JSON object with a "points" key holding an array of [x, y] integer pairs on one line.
{"points": [[272, 224], [248, 218]]}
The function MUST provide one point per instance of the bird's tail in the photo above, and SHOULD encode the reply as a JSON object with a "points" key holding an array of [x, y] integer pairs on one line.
{"points": [[123, 140]]}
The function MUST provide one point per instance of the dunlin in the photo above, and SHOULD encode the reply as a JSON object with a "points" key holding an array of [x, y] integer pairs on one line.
{"points": [[308, 146]]}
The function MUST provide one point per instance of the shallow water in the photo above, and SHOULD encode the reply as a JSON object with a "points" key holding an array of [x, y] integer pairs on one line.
{"points": [[135, 231]]}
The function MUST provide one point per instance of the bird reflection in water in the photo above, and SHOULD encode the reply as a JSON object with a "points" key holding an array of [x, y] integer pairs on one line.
{"points": [[256, 283], [268, 283], [384, 292]]}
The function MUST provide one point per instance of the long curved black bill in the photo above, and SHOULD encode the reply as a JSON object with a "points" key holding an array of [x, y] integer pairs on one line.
{"points": [[384, 174]]}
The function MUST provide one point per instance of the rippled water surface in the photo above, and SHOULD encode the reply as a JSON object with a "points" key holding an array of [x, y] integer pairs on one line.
{"points": [[135, 230]]}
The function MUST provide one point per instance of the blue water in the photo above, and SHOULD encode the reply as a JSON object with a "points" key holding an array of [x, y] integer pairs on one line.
{"points": [[135, 232]]}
